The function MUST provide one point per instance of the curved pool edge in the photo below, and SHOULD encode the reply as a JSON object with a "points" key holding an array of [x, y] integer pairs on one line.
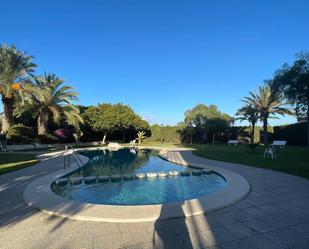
{"points": [[38, 194]]}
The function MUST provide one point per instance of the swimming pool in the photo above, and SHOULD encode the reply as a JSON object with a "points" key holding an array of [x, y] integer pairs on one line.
{"points": [[134, 191]]}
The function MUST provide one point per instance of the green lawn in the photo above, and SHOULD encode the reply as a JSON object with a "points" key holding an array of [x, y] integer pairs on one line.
{"points": [[13, 161], [292, 160]]}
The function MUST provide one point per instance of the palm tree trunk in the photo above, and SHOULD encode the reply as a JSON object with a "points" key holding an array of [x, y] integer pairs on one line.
{"points": [[42, 124], [265, 132], [8, 108], [252, 132]]}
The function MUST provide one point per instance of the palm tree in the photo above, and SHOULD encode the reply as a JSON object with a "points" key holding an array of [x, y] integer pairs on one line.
{"points": [[50, 100], [15, 67], [251, 114], [268, 105]]}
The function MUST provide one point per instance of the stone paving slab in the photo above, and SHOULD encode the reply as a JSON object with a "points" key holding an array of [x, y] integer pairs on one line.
{"points": [[274, 215]]}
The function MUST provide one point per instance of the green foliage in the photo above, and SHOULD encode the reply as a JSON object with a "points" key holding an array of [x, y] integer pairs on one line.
{"points": [[293, 82], [168, 134], [47, 139], [251, 114], [141, 136], [294, 134], [203, 123], [20, 134], [49, 100], [243, 134], [15, 67], [268, 104], [117, 118]]}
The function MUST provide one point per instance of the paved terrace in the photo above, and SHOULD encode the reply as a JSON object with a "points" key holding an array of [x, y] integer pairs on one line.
{"points": [[274, 215]]}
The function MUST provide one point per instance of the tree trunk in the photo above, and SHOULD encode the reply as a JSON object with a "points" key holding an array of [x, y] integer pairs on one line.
{"points": [[103, 140], [252, 133], [42, 124], [8, 108], [213, 138], [265, 131]]}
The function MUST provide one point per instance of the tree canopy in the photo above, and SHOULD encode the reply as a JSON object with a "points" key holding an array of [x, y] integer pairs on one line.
{"points": [[204, 122], [293, 82], [15, 68], [48, 99], [268, 104], [110, 118], [251, 114]]}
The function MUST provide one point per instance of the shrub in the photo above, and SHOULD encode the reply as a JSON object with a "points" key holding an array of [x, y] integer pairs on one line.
{"points": [[47, 139], [20, 134], [242, 133], [64, 135]]}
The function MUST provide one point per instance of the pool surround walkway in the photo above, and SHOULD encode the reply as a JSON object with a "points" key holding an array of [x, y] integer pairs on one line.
{"points": [[274, 215], [38, 194]]}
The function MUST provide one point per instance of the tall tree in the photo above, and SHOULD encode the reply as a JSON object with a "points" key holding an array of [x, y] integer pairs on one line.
{"points": [[15, 67], [268, 105], [251, 114], [50, 100], [202, 120], [110, 118], [293, 82]]}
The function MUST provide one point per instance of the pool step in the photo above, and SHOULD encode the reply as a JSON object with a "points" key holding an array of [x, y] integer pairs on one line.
{"points": [[185, 173], [62, 181], [75, 180], [90, 179], [103, 179], [128, 177], [196, 172]]}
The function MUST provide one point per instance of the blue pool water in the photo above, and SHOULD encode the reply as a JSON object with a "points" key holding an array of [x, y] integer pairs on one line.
{"points": [[137, 192]]}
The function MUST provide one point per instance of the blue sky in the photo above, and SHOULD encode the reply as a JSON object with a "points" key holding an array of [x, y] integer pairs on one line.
{"points": [[160, 57]]}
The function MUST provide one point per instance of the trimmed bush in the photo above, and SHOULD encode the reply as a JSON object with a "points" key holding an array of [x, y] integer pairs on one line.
{"points": [[294, 134], [20, 134]]}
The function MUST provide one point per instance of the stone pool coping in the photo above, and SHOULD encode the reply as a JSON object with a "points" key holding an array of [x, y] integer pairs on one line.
{"points": [[38, 194]]}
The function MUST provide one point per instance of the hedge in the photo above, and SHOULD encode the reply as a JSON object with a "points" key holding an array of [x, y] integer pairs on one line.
{"points": [[294, 134], [166, 133]]}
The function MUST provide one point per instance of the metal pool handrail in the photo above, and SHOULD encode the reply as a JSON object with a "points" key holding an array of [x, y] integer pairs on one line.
{"points": [[67, 157]]}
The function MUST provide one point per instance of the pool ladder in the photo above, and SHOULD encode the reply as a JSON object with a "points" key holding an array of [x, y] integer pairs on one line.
{"points": [[68, 155]]}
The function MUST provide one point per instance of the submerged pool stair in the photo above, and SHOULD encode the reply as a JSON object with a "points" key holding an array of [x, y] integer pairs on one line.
{"points": [[75, 180]]}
